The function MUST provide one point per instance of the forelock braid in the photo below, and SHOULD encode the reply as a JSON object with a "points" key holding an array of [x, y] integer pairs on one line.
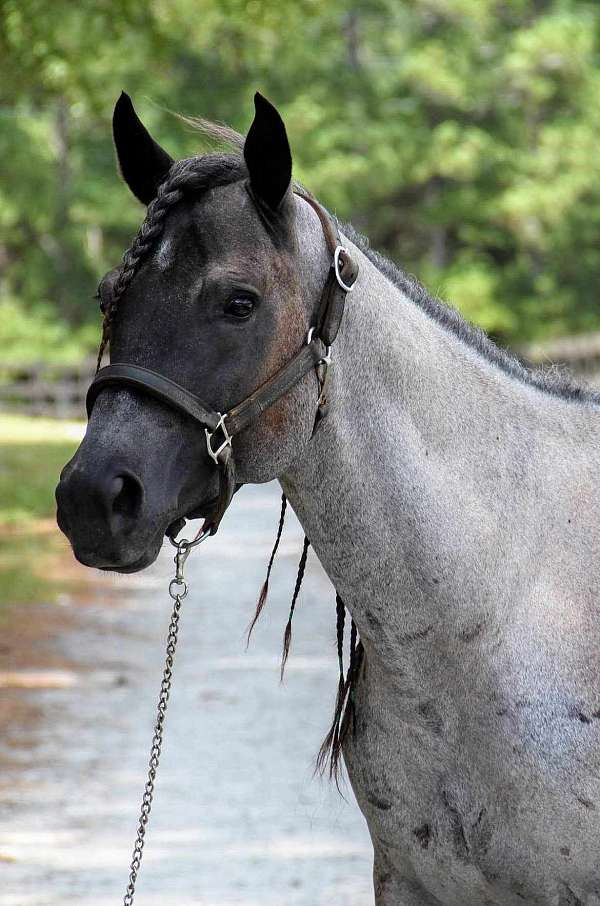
{"points": [[147, 234], [194, 173]]}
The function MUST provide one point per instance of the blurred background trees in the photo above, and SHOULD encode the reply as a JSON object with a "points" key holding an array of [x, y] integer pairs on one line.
{"points": [[463, 136]]}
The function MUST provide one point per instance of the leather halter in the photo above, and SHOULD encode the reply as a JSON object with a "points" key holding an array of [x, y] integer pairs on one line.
{"points": [[220, 428]]}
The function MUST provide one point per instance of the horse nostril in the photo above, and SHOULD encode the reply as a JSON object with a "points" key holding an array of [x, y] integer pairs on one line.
{"points": [[126, 494]]}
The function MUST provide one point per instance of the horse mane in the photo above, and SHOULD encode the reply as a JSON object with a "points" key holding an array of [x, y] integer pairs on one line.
{"points": [[551, 379]]}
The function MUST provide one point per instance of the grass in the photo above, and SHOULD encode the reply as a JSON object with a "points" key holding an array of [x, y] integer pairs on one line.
{"points": [[32, 453]]}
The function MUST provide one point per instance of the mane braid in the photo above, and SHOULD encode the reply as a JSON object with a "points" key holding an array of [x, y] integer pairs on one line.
{"points": [[344, 716], [287, 636], [356, 653], [331, 742], [551, 380], [340, 610], [262, 598]]}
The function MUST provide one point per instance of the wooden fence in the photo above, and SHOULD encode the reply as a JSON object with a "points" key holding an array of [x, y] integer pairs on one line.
{"points": [[580, 355], [59, 391]]}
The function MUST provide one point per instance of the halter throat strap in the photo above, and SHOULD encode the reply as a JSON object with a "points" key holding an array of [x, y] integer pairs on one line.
{"points": [[220, 428]]}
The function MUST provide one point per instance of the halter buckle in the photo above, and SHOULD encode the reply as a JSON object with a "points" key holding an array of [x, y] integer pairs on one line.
{"points": [[336, 267], [214, 454], [324, 360]]}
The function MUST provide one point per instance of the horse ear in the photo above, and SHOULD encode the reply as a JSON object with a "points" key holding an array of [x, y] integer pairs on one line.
{"points": [[267, 154], [143, 163]]}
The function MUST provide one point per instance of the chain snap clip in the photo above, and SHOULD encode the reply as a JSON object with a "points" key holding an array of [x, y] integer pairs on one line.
{"points": [[178, 586]]}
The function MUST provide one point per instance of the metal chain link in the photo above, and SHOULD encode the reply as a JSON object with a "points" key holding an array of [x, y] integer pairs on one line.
{"points": [[177, 590]]}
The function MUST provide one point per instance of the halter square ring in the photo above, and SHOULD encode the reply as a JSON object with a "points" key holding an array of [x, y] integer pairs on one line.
{"points": [[214, 454]]}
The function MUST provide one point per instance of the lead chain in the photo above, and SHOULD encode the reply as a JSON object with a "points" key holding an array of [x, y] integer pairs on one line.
{"points": [[177, 591]]}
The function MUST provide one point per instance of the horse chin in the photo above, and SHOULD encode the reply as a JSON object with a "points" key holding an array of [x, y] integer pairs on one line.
{"points": [[119, 562], [144, 561]]}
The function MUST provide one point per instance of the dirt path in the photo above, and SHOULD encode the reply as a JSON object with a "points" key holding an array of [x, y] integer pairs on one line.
{"points": [[238, 818]]}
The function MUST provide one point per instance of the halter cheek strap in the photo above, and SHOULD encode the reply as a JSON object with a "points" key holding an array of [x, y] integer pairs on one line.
{"points": [[220, 429]]}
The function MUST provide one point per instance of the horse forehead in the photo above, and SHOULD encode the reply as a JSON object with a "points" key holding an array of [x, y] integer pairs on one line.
{"points": [[219, 224]]}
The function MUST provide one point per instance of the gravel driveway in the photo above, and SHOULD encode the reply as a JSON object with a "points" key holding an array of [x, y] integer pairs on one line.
{"points": [[238, 818]]}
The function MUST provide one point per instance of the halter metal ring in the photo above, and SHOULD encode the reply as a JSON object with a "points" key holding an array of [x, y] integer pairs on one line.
{"points": [[185, 545], [214, 454], [178, 589], [336, 267]]}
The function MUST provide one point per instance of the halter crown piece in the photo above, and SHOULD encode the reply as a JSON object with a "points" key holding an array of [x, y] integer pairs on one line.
{"points": [[221, 428]]}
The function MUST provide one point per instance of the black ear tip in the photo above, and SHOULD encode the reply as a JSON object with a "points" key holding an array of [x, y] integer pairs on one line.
{"points": [[124, 104], [262, 105]]}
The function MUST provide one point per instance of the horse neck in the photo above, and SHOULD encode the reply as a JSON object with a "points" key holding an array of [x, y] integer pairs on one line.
{"points": [[430, 455]]}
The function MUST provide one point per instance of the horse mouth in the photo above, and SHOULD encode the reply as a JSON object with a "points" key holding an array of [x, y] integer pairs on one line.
{"points": [[135, 567], [116, 564], [202, 510]]}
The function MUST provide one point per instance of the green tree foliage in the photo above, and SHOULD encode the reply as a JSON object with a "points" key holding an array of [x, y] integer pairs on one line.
{"points": [[463, 136]]}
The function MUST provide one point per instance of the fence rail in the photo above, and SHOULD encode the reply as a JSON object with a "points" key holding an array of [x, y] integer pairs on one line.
{"points": [[59, 391], [580, 355]]}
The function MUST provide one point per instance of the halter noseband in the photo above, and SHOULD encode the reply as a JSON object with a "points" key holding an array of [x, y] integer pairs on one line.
{"points": [[220, 429]]}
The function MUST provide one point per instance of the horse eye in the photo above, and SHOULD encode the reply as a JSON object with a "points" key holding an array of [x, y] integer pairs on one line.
{"points": [[240, 308]]}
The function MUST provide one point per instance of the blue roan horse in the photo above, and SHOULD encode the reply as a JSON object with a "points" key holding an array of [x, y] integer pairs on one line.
{"points": [[451, 495]]}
